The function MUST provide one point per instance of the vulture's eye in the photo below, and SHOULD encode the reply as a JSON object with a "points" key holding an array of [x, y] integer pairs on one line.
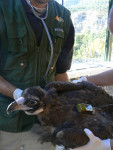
{"points": [[31, 103]]}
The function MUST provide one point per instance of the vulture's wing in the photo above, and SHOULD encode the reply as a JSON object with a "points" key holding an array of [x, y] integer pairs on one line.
{"points": [[70, 133], [62, 124]]}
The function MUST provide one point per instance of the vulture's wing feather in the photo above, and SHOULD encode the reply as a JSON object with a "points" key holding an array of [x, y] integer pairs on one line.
{"points": [[61, 123], [62, 112]]}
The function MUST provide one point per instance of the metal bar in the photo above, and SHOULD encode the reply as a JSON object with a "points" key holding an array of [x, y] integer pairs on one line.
{"points": [[62, 2], [110, 47]]}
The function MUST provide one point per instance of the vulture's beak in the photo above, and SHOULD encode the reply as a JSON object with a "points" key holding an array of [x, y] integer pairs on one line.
{"points": [[12, 107], [17, 105]]}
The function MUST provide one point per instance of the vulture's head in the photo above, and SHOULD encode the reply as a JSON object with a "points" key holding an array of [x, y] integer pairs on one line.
{"points": [[32, 101]]}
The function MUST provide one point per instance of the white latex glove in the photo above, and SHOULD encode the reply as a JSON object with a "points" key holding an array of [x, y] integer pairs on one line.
{"points": [[80, 80], [17, 93], [94, 143], [60, 147]]}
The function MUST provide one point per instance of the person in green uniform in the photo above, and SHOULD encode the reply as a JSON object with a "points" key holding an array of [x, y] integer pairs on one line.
{"points": [[36, 47]]}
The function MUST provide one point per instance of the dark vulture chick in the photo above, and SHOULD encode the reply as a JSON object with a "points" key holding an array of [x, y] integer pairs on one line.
{"points": [[56, 108]]}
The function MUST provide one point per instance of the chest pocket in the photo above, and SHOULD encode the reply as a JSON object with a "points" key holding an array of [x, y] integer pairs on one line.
{"points": [[57, 35], [17, 41]]}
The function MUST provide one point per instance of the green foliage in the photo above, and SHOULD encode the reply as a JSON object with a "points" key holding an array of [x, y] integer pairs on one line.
{"points": [[91, 29], [85, 5], [90, 19], [89, 45]]}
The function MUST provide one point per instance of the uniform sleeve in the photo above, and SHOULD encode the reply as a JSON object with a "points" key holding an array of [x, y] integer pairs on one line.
{"points": [[0, 58], [65, 58]]}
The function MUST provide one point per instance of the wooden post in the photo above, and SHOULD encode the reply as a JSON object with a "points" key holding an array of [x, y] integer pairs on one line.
{"points": [[110, 46]]}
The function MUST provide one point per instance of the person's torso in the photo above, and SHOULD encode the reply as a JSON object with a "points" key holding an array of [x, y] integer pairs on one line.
{"points": [[22, 62]]}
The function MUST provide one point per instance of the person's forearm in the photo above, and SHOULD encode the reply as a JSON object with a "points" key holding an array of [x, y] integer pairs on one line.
{"points": [[62, 77], [102, 79], [6, 88], [110, 20]]}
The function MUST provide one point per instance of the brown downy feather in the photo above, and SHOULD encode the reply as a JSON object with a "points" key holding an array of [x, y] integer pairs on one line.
{"points": [[63, 125]]}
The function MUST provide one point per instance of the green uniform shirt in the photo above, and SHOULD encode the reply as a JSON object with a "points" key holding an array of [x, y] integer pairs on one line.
{"points": [[22, 63]]}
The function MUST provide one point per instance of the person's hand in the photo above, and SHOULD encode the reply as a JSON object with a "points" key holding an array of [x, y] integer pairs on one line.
{"points": [[94, 143], [80, 80], [17, 93]]}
